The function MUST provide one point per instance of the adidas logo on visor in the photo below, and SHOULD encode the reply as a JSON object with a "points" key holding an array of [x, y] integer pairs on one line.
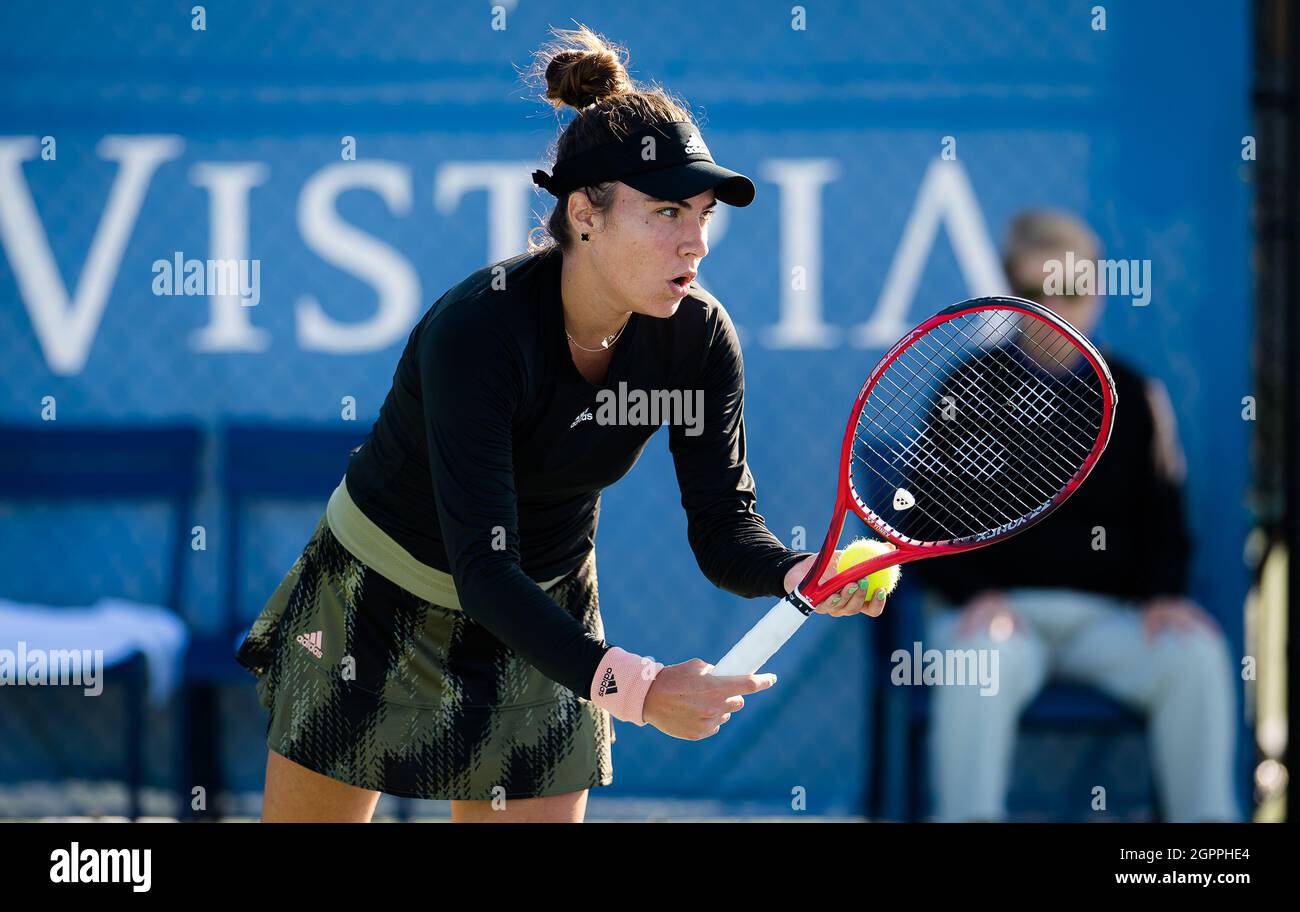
{"points": [[695, 145]]}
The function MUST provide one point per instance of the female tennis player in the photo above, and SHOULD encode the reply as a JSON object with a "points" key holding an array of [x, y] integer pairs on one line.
{"points": [[440, 636]]}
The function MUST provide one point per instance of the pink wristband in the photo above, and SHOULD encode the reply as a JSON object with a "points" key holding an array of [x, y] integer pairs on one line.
{"points": [[621, 683]]}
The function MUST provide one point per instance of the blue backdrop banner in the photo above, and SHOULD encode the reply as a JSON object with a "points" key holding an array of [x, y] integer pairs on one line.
{"points": [[361, 158]]}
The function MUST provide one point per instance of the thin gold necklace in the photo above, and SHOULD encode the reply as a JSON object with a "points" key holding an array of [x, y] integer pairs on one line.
{"points": [[606, 342]]}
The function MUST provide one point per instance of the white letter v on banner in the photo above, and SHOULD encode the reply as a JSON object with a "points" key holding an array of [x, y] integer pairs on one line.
{"points": [[66, 328]]}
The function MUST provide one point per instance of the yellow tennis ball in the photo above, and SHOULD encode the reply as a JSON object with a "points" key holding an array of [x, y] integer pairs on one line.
{"points": [[861, 549]]}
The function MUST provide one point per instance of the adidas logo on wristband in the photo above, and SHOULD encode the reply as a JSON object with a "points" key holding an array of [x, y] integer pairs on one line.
{"points": [[607, 683]]}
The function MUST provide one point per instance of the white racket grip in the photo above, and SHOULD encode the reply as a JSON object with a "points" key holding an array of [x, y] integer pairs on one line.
{"points": [[764, 638]]}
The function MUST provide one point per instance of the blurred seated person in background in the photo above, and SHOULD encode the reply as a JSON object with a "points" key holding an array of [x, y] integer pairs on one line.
{"points": [[1095, 594]]}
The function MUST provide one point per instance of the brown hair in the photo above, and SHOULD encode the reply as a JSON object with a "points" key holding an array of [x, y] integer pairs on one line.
{"points": [[583, 71]]}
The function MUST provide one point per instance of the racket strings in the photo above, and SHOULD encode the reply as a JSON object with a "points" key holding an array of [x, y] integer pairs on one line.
{"points": [[1018, 467], [1080, 418], [1023, 477], [994, 331], [1087, 424], [922, 508], [999, 502], [993, 451], [926, 463], [1041, 493], [1050, 479], [1073, 399], [980, 422], [927, 460]]}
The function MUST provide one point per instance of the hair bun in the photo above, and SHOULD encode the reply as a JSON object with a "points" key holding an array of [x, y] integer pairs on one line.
{"points": [[584, 75]]}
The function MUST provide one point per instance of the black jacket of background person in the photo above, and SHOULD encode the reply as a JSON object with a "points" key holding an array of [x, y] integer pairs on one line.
{"points": [[488, 458], [1132, 492]]}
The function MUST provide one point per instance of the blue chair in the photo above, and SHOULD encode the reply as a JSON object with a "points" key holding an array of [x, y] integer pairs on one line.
{"points": [[904, 712], [258, 462], [50, 463]]}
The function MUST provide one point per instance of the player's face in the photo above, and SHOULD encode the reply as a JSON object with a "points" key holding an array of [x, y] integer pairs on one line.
{"points": [[651, 242]]}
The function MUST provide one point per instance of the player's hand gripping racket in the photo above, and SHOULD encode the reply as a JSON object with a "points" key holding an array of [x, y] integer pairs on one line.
{"points": [[976, 425]]}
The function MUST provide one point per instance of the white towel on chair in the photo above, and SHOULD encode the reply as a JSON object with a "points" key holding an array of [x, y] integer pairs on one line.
{"points": [[117, 626]]}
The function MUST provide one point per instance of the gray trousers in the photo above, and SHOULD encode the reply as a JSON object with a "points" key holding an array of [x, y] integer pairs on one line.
{"points": [[1181, 680]]}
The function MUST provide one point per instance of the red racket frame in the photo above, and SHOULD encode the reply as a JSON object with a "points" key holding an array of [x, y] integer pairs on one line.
{"points": [[906, 550]]}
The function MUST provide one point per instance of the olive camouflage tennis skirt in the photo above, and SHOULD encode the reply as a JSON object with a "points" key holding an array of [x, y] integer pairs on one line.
{"points": [[370, 685]]}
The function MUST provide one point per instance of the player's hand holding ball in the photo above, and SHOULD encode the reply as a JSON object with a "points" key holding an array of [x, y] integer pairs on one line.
{"points": [[866, 596]]}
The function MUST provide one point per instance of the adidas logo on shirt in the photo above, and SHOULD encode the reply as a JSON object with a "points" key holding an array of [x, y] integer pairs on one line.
{"points": [[585, 416], [312, 642], [607, 684]]}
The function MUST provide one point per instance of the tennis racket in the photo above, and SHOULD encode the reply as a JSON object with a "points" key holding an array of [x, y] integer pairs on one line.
{"points": [[976, 425]]}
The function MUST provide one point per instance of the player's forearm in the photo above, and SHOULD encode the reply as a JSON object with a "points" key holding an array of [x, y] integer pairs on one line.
{"points": [[742, 556], [519, 614], [516, 611]]}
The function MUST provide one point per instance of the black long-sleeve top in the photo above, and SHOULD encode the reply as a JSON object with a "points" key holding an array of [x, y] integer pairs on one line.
{"points": [[1131, 503], [480, 465]]}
